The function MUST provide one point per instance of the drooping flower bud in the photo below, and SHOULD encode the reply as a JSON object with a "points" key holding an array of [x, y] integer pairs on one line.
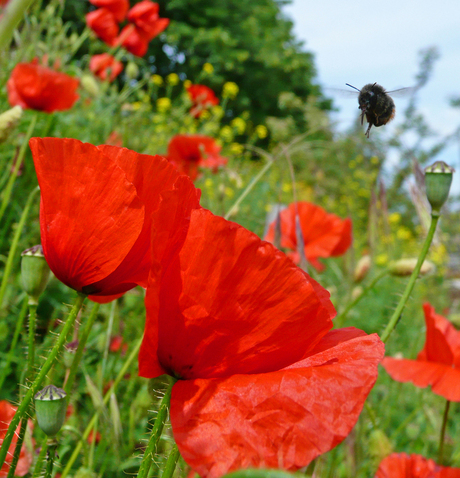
{"points": [[35, 273], [405, 267], [8, 121], [90, 85], [438, 178], [50, 407], [362, 268], [132, 70]]}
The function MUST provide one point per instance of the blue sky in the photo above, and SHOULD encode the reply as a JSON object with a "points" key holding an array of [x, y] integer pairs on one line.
{"points": [[362, 41]]}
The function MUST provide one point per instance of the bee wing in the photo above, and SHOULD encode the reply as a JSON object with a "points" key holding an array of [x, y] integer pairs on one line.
{"points": [[402, 92], [342, 92]]}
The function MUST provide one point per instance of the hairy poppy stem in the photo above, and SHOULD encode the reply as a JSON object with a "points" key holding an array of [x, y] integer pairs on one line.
{"points": [[23, 407], [22, 151], [171, 462], [443, 432], [157, 429], [410, 285], [110, 391], [81, 347], [14, 244]]}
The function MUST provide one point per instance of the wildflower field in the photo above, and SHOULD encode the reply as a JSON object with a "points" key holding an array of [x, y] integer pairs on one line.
{"points": [[198, 275]]}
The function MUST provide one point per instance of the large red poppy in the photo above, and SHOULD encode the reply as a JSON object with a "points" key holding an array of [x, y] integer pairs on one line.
{"points": [[118, 8], [146, 18], [104, 24], [202, 98], [96, 212], [324, 234], [105, 66], [26, 456], [438, 363], [40, 88], [263, 382], [401, 465], [188, 153]]}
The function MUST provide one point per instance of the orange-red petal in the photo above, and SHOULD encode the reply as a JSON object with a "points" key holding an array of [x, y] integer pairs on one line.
{"points": [[444, 380], [231, 303], [90, 213], [104, 24], [280, 419], [118, 8], [401, 465]]}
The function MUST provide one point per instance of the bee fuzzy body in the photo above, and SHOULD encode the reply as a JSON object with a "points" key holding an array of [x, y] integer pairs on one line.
{"points": [[376, 105]]}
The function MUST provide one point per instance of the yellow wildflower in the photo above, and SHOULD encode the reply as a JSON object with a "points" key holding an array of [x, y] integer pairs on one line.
{"points": [[208, 68], [230, 90], [163, 104], [156, 80], [261, 131], [239, 124], [173, 79], [236, 149]]}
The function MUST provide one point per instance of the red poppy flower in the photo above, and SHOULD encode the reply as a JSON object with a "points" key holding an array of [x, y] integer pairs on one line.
{"points": [[324, 234], [438, 363], [190, 152], [262, 380], [7, 412], [145, 16], [400, 465], [105, 66], [134, 40], [118, 8], [37, 87], [117, 344], [96, 212], [104, 24], [202, 97]]}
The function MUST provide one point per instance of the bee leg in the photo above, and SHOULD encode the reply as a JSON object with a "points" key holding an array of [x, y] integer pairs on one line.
{"points": [[368, 130]]}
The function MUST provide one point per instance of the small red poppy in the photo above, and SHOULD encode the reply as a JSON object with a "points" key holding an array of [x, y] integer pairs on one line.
{"points": [[188, 153], [103, 23], [263, 383], [437, 364], [134, 40], [117, 344], [401, 465], [105, 66], [202, 98], [96, 212], [324, 234], [118, 8], [146, 18], [26, 456], [40, 88]]}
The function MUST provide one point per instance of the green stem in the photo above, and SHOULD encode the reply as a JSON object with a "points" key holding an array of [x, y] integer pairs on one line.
{"points": [[410, 285], [17, 449], [342, 316], [248, 189], [443, 433], [14, 244], [121, 374], [157, 429], [23, 407], [14, 13], [50, 459], [31, 348], [81, 347], [171, 463], [41, 456], [22, 151], [19, 323]]}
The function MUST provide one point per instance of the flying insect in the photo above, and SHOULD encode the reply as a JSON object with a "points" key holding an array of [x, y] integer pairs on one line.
{"points": [[376, 104]]}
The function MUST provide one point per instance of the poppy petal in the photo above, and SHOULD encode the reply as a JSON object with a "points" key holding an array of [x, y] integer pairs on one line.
{"points": [[281, 419], [90, 213], [221, 297], [444, 379]]}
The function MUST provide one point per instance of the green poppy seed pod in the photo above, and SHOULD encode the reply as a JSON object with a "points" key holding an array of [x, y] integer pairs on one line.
{"points": [[132, 70], [35, 273], [405, 267], [90, 85], [438, 178], [50, 408], [8, 121]]}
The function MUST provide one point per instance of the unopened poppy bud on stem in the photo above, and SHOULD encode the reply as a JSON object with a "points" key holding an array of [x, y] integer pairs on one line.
{"points": [[438, 178], [362, 268], [8, 121], [35, 273], [405, 267], [50, 407]]}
